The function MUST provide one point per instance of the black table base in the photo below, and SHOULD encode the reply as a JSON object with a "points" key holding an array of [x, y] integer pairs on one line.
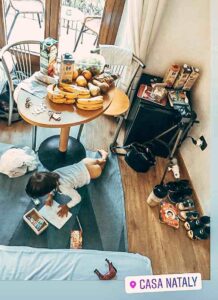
{"points": [[51, 158]]}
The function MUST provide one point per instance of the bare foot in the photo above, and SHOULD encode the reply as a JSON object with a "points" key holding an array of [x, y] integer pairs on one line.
{"points": [[104, 154]]}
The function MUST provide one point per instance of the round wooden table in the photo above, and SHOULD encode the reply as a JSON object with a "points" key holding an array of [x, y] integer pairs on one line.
{"points": [[59, 150]]}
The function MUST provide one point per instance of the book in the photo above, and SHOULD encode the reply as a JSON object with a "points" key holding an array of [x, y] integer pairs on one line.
{"points": [[50, 214]]}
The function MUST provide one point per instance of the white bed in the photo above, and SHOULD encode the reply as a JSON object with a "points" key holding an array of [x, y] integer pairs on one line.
{"points": [[25, 263]]}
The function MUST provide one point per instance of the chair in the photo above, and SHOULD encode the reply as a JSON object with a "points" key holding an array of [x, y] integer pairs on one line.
{"points": [[121, 106], [71, 14], [21, 57], [90, 23], [25, 7]]}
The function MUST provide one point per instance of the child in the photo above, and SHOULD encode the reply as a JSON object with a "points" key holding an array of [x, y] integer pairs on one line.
{"points": [[65, 180]]}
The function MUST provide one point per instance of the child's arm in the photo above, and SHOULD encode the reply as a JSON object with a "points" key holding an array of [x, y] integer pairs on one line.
{"points": [[49, 200], [75, 199]]}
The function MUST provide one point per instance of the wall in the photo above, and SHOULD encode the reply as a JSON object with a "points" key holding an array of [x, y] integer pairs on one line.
{"points": [[184, 37]]}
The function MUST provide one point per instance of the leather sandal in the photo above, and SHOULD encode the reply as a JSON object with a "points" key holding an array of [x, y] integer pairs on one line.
{"points": [[188, 215], [201, 222], [186, 204], [176, 197], [177, 186], [200, 233]]}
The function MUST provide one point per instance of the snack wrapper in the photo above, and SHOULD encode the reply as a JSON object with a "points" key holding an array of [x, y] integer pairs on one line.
{"points": [[169, 214]]}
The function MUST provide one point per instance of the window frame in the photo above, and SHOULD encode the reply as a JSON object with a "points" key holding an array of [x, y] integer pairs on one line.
{"points": [[112, 14]]}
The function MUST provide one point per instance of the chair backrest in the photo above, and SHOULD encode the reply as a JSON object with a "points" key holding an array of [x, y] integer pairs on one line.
{"points": [[17, 60], [125, 72]]}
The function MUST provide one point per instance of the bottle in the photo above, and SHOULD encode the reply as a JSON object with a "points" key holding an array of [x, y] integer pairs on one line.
{"points": [[157, 195], [67, 68]]}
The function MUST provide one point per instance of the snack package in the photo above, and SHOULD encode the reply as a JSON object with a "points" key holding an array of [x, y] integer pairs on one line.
{"points": [[48, 56], [169, 214], [76, 239], [156, 95], [177, 98]]}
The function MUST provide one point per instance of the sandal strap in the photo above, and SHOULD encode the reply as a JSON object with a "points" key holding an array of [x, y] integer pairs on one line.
{"points": [[188, 203]]}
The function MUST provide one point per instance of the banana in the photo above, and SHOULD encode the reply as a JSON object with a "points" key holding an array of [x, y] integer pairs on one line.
{"points": [[89, 107], [90, 101], [57, 96], [79, 96], [66, 94], [74, 89], [53, 94]]}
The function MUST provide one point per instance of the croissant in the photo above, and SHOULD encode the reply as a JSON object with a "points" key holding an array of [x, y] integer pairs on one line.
{"points": [[107, 77]]}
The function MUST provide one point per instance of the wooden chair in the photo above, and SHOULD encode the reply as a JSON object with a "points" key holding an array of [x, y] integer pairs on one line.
{"points": [[121, 105], [25, 7], [22, 56]]}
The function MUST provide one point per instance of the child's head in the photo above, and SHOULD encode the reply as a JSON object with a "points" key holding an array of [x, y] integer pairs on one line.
{"points": [[41, 183]]}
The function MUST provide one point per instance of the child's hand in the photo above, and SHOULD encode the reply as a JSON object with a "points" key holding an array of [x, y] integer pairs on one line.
{"points": [[49, 201], [63, 211]]}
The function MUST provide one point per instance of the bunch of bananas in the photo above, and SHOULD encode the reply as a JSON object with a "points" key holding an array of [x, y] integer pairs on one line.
{"points": [[66, 93], [69, 94], [93, 103], [72, 88]]}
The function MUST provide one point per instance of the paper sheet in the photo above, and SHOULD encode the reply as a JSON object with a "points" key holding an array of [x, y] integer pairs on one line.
{"points": [[50, 214]]}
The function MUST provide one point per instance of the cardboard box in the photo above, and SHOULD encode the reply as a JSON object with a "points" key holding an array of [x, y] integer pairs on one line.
{"points": [[48, 56], [35, 221]]}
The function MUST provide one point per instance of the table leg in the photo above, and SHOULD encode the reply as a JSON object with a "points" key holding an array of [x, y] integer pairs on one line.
{"points": [[64, 137], [61, 150]]}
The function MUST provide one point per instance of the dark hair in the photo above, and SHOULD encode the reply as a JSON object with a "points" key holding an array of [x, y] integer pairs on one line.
{"points": [[41, 183]]}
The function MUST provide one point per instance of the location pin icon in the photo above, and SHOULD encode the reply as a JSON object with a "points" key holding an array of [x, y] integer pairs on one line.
{"points": [[132, 284]]}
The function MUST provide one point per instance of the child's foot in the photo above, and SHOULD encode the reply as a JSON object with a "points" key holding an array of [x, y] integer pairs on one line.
{"points": [[104, 154]]}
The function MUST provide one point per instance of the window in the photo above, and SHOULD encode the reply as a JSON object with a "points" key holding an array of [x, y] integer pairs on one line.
{"points": [[79, 24], [75, 23], [24, 19]]}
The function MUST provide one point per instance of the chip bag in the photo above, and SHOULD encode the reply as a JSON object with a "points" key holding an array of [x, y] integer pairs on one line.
{"points": [[76, 238], [169, 214]]}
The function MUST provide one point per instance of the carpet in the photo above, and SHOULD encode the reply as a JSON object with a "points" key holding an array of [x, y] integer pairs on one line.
{"points": [[101, 213]]}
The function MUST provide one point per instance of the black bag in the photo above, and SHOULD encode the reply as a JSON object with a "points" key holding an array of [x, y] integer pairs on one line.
{"points": [[138, 157]]}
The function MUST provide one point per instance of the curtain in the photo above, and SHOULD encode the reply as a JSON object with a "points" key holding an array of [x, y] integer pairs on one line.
{"points": [[137, 30], [139, 24]]}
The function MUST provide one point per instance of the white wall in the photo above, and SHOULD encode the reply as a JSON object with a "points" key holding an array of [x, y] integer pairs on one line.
{"points": [[184, 37]]}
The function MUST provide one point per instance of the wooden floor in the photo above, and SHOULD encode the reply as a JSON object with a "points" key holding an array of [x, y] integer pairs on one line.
{"points": [[170, 250]]}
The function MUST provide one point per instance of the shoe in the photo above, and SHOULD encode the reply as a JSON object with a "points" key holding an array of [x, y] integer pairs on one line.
{"points": [[201, 222], [176, 186], [186, 204], [188, 215], [200, 233], [176, 197]]}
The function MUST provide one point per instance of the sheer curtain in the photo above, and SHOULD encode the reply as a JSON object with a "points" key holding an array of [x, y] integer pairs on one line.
{"points": [[137, 30], [139, 24]]}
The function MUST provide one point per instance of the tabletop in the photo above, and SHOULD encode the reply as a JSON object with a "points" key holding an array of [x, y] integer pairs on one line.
{"points": [[70, 114]]}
